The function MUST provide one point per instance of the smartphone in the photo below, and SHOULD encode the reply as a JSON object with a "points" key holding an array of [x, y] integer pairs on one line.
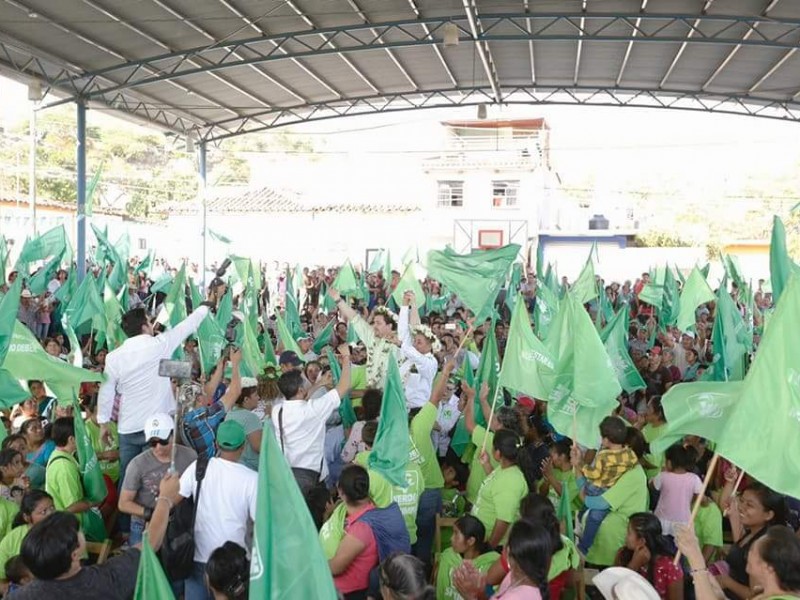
{"points": [[175, 369], [450, 326]]}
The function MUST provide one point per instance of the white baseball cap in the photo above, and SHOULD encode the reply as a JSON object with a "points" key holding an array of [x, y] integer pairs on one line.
{"points": [[26, 294], [619, 583], [160, 426], [249, 382]]}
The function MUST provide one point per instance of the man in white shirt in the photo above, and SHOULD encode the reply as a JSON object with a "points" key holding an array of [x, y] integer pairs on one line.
{"points": [[132, 373], [226, 507], [418, 366], [299, 423]]}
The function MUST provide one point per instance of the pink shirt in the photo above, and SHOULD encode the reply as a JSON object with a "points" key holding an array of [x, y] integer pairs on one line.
{"points": [[675, 502], [356, 576], [508, 591]]}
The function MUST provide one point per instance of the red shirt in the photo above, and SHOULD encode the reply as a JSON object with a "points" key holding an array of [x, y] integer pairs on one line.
{"points": [[356, 576], [664, 573]]}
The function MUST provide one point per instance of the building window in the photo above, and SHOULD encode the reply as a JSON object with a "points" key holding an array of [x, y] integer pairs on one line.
{"points": [[450, 194], [505, 194], [142, 244]]}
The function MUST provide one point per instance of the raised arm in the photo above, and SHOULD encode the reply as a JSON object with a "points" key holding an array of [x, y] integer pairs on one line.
{"points": [[231, 395], [469, 407], [174, 337], [345, 309], [344, 378], [216, 377], [441, 384]]}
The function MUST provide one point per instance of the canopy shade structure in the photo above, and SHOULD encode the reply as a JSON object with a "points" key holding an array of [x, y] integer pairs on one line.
{"points": [[213, 69]]}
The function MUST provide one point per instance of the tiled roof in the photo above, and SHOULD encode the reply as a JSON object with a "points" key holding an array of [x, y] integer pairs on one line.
{"points": [[272, 200]]}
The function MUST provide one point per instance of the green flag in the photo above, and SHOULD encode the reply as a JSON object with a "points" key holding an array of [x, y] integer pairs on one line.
{"points": [[26, 359], [390, 451], [269, 350], [324, 336], [408, 282], [346, 282], [210, 337], [766, 402], [287, 560], [39, 281], [115, 337], [475, 277], [119, 273], [780, 265], [615, 341], [11, 393], [377, 262], [145, 265], [527, 364], [292, 312], [67, 289], [564, 513], [730, 339], [585, 286], [218, 237], [695, 292], [346, 411], [91, 190], [387, 269], [586, 386], [174, 309], [3, 259], [514, 282], [9, 308], [286, 338], [151, 581], [545, 310], [669, 306], [85, 305], [50, 243], [94, 487], [488, 372], [253, 362]]}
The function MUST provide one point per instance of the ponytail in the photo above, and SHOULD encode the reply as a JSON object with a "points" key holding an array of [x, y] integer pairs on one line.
{"points": [[530, 547]]}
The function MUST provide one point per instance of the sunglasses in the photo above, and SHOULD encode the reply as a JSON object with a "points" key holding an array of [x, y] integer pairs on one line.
{"points": [[158, 442]]}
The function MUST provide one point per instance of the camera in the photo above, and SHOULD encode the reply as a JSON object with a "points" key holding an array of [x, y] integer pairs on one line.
{"points": [[219, 274]]}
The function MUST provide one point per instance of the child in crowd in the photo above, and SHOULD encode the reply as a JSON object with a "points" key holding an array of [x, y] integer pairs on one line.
{"points": [[559, 477], [677, 486], [17, 574], [612, 461]]}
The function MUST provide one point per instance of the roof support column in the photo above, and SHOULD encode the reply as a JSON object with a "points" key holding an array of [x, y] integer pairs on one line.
{"points": [[201, 168], [81, 188]]}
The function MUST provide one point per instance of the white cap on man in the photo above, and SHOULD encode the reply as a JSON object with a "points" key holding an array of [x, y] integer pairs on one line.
{"points": [[159, 426]]}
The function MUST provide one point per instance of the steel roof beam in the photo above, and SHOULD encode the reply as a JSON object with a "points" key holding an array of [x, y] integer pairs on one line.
{"points": [[476, 28], [360, 12], [580, 46], [261, 31], [437, 50], [87, 40], [300, 13], [636, 28], [307, 49], [589, 96], [734, 51], [531, 55]]}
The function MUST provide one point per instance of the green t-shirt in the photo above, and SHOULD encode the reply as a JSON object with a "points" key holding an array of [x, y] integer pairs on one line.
{"points": [[449, 561], [656, 459], [63, 479], [563, 560], [332, 531], [708, 525], [8, 512], [11, 545], [108, 467], [570, 484], [380, 490], [250, 423], [407, 497], [499, 498], [626, 497], [422, 450], [358, 377], [476, 473]]}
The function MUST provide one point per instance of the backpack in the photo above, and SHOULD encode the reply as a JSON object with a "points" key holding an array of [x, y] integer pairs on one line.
{"points": [[177, 549], [389, 529]]}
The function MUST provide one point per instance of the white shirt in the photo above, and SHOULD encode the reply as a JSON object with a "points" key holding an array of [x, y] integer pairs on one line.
{"points": [[227, 501], [303, 429], [132, 372], [417, 370], [53, 286], [447, 418]]}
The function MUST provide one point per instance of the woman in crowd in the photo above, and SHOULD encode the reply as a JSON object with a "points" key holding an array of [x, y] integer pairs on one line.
{"points": [[468, 543], [357, 553], [39, 447], [36, 506], [242, 413], [647, 552], [12, 474], [228, 572], [371, 409], [34, 472], [402, 577]]}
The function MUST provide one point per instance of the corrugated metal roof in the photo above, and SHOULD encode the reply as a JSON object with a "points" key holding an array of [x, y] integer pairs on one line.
{"points": [[217, 68]]}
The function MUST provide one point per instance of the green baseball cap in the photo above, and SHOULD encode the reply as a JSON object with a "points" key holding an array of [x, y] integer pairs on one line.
{"points": [[230, 435]]}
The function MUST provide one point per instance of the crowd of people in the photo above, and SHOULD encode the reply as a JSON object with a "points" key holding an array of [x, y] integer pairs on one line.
{"points": [[479, 512]]}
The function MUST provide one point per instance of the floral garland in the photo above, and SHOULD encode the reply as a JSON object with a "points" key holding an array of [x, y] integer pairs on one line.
{"points": [[427, 333], [385, 313]]}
